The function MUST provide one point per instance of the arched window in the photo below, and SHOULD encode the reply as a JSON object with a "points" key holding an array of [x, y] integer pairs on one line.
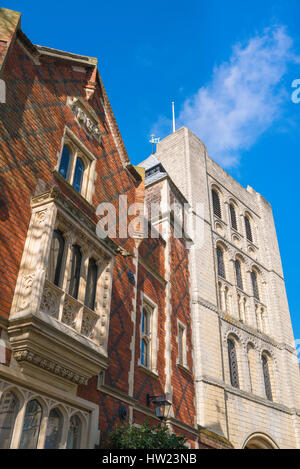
{"points": [[255, 285], [267, 380], [75, 271], [216, 203], [233, 366], [31, 425], [233, 216], [9, 406], [91, 284], [238, 274], [248, 229], [65, 162], [78, 174], [55, 257], [74, 434], [54, 429], [220, 259]]}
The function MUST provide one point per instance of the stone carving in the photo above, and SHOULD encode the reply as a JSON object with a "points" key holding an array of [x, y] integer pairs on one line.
{"points": [[90, 125], [26, 355], [89, 321], [26, 290], [69, 314], [50, 302]]}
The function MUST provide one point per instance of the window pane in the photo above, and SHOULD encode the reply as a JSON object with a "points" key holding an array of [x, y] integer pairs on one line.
{"points": [[248, 229], [233, 217], [216, 204], [255, 285], [78, 174], [31, 426], [64, 162], [9, 406], [74, 434], [75, 271], [180, 345], [267, 380], [233, 366], [144, 353], [220, 259], [55, 257], [238, 272], [91, 284], [54, 429]]}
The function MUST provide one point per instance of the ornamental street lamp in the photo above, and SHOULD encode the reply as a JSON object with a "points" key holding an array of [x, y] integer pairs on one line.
{"points": [[162, 406]]}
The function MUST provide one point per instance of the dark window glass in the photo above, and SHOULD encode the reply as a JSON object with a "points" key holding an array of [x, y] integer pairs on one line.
{"points": [[9, 406], [64, 162], [248, 229], [31, 426], [55, 257], [75, 271], [255, 285], [233, 366], [78, 174], [238, 274], [216, 203], [221, 267], [74, 434], [267, 380], [54, 428], [91, 284], [233, 216]]}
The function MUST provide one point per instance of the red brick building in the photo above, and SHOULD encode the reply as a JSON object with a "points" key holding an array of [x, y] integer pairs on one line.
{"points": [[88, 326]]}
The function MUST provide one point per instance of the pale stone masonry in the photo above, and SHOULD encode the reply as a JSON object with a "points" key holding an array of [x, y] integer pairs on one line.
{"points": [[222, 311]]}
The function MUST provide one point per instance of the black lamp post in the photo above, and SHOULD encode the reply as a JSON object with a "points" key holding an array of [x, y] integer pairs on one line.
{"points": [[162, 406]]}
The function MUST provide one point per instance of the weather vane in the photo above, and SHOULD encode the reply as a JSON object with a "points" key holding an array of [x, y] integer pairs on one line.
{"points": [[154, 140]]}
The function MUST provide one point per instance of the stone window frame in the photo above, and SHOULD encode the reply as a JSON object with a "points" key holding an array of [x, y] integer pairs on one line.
{"points": [[78, 149], [151, 336], [87, 417], [183, 360], [271, 371], [88, 354], [216, 189], [235, 341], [72, 237], [233, 203]]}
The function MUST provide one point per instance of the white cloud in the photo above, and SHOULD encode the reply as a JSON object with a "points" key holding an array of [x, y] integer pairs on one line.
{"points": [[243, 99]]}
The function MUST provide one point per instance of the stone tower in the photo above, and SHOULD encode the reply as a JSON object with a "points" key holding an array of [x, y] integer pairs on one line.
{"points": [[246, 369]]}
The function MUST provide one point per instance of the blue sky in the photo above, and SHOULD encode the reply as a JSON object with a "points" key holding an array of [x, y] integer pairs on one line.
{"points": [[228, 65]]}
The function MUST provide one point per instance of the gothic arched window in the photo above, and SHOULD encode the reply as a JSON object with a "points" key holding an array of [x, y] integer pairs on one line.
{"points": [[238, 274], [31, 425], [220, 259], [146, 337], [248, 229], [267, 380], [65, 162], [233, 366], [216, 203], [9, 406], [54, 429], [78, 174], [233, 216], [55, 257], [254, 285], [74, 433], [75, 271], [91, 284]]}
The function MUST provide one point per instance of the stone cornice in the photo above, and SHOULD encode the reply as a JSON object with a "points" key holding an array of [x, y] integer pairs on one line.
{"points": [[49, 365]]}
